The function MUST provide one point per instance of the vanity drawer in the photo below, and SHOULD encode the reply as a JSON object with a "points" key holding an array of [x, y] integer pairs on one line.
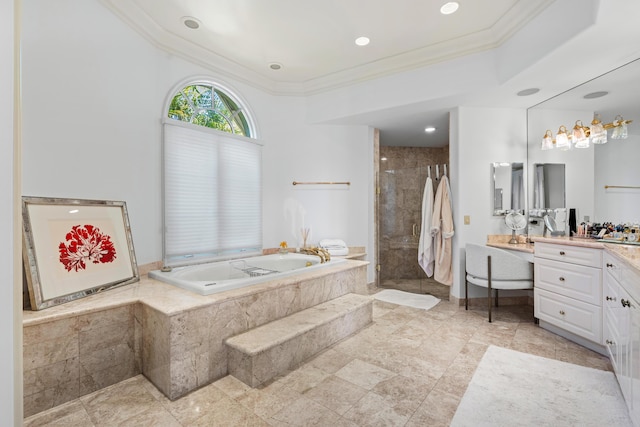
{"points": [[574, 281], [573, 254], [578, 317]]}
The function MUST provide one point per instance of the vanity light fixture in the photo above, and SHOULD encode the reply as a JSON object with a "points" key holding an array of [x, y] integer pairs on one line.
{"points": [[620, 128], [581, 136], [597, 133], [547, 141], [562, 139]]}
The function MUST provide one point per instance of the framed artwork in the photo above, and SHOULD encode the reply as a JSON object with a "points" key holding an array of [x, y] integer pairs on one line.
{"points": [[75, 248]]}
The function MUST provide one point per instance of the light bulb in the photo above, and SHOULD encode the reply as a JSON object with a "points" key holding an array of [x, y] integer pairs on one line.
{"points": [[562, 140], [547, 141], [579, 137]]}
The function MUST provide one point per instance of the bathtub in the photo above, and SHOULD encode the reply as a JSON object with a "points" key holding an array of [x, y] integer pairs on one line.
{"points": [[206, 279]]}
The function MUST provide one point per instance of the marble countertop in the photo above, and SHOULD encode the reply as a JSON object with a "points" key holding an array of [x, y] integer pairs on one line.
{"points": [[502, 241]]}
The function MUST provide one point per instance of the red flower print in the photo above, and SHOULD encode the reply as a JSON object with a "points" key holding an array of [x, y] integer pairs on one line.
{"points": [[85, 244]]}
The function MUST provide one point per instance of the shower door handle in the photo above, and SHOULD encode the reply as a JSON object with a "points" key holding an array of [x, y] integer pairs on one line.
{"points": [[415, 228]]}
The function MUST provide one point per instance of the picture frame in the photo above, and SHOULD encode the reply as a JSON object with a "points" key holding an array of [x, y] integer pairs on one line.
{"points": [[73, 248]]}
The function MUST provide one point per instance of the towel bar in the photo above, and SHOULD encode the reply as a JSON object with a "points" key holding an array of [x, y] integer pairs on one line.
{"points": [[321, 183], [622, 186]]}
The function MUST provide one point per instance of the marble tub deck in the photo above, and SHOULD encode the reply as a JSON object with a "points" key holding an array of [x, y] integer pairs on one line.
{"points": [[174, 337], [409, 368]]}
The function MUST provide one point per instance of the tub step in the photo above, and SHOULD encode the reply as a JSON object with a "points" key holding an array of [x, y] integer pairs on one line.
{"points": [[258, 355]]}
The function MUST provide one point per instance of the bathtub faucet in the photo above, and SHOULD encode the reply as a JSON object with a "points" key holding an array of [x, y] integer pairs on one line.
{"points": [[320, 252]]}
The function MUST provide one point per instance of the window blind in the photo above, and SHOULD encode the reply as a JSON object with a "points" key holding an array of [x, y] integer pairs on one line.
{"points": [[212, 195]]}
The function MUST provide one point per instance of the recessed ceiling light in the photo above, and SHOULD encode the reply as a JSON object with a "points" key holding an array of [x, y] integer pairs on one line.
{"points": [[449, 8], [429, 129], [383, 158], [362, 41], [191, 22], [593, 95], [527, 92], [275, 66]]}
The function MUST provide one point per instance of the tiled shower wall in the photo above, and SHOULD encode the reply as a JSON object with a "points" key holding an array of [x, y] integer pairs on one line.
{"points": [[402, 178]]}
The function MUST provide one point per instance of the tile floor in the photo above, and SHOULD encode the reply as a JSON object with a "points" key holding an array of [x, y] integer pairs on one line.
{"points": [[408, 368]]}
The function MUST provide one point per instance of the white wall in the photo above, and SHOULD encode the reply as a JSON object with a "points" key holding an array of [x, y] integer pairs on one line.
{"points": [[616, 163], [479, 137], [94, 94], [10, 315]]}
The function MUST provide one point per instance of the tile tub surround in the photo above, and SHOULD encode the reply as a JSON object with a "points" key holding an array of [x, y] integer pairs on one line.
{"points": [[179, 336], [77, 355]]}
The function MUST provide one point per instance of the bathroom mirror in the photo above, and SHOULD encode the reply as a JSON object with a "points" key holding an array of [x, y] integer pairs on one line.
{"points": [[507, 181], [548, 188], [601, 181]]}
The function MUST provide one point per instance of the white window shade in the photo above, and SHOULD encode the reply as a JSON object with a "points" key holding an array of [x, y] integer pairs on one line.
{"points": [[212, 195]]}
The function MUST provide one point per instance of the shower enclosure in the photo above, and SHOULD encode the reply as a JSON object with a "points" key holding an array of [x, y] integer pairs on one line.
{"points": [[401, 179]]}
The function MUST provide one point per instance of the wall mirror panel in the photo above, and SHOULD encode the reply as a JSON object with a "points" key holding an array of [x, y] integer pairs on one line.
{"points": [[507, 181], [601, 181]]}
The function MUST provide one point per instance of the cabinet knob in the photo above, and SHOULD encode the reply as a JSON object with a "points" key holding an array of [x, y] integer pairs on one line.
{"points": [[561, 279], [625, 302], [562, 312], [561, 252], [609, 265], [610, 298], [610, 342]]}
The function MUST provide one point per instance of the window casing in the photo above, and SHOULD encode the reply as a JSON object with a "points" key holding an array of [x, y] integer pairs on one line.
{"points": [[212, 180]]}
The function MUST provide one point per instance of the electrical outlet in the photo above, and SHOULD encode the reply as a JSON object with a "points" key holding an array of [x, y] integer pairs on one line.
{"points": [[467, 219]]}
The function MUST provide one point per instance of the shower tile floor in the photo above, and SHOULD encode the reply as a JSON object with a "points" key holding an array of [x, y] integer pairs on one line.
{"points": [[410, 367]]}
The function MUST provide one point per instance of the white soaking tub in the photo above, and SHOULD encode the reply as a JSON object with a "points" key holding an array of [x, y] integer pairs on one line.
{"points": [[220, 276]]}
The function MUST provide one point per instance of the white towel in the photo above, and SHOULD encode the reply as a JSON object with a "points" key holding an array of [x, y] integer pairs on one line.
{"points": [[561, 218], [426, 257]]}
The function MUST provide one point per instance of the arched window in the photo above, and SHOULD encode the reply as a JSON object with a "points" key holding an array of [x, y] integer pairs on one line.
{"points": [[212, 177], [205, 105]]}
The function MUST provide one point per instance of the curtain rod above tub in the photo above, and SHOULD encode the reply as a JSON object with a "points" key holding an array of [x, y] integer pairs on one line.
{"points": [[321, 183]]}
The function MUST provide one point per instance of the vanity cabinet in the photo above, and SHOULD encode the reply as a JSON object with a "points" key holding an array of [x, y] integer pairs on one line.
{"points": [[568, 289], [622, 329]]}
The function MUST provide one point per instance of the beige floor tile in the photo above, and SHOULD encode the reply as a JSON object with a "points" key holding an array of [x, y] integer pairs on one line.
{"points": [[192, 406], [231, 386], [304, 378], [120, 402], [404, 394], [336, 394], [152, 417], [67, 414], [436, 410], [304, 412], [363, 374], [228, 413], [373, 410], [331, 360], [269, 400]]}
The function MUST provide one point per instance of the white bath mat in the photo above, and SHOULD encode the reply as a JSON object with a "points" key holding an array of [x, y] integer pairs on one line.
{"points": [[510, 388], [393, 296]]}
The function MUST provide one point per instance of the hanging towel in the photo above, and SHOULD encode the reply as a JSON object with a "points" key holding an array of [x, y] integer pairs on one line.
{"points": [[425, 246], [442, 232]]}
